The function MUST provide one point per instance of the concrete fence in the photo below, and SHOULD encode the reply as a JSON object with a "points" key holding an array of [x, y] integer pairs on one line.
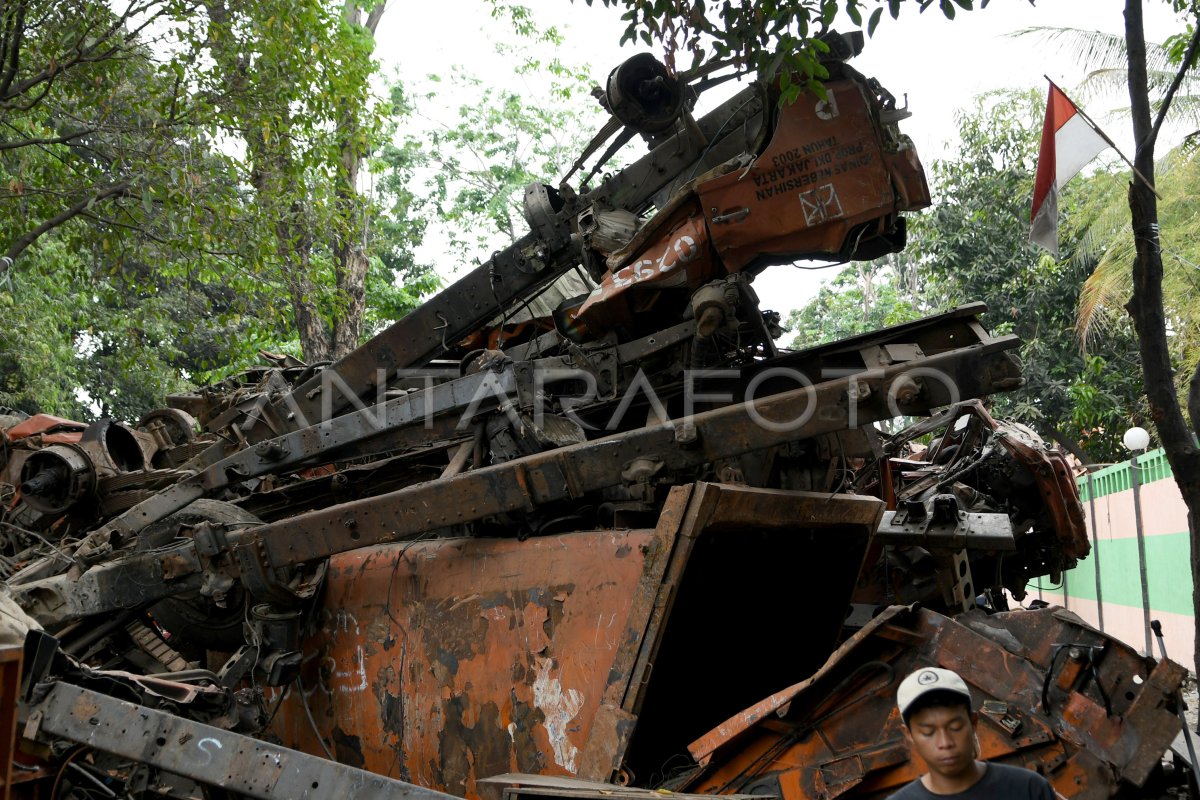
{"points": [[1139, 568]]}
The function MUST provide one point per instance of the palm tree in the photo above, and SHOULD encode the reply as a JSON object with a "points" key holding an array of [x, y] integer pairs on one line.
{"points": [[1107, 240], [1105, 54]]}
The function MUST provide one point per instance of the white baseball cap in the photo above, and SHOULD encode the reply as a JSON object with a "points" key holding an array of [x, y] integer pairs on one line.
{"points": [[926, 680]]}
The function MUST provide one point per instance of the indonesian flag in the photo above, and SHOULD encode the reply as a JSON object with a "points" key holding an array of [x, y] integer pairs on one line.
{"points": [[1069, 142]]}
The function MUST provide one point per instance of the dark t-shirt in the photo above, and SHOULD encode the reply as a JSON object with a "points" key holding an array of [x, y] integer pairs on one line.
{"points": [[999, 782]]}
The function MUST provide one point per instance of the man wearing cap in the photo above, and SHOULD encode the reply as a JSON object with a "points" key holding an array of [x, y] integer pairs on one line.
{"points": [[939, 725]]}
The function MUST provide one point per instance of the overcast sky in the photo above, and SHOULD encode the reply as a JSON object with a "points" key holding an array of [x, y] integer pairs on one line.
{"points": [[940, 65]]}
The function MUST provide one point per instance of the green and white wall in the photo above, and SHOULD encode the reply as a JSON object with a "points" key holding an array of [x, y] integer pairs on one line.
{"points": [[1112, 599]]}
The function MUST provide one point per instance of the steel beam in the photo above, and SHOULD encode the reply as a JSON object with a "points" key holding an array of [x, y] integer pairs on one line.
{"points": [[523, 484], [205, 754]]}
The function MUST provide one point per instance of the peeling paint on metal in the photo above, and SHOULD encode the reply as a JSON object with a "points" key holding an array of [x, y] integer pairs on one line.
{"points": [[472, 627], [348, 748], [560, 707]]}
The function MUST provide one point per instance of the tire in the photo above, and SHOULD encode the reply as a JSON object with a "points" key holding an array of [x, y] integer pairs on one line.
{"points": [[194, 621]]}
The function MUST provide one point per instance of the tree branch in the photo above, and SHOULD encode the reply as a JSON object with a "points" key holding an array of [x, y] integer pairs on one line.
{"points": [[29, 238], [53, 140], [92, 52], [374, 17], [1188, 57], [12, 46]]}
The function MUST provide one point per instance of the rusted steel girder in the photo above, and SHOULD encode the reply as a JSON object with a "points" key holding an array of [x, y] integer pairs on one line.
{"points": [[563, 474], [242, 764], [1053, 695], [391, 419], [568, 473], [393, 423]]}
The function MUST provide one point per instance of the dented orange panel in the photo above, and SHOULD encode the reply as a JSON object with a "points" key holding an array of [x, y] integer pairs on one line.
{"points": [[52, 429], [445, 661], [679, 258], [448, 661], [823, 173], [1092, 724]]}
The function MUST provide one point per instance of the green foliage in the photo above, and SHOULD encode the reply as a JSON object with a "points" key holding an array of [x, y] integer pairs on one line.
{"points": [[1108, 241], [1107, 61], [973, 245], [108, 195], [477, 167], [865, 296], [37, 338], [772, 36], [395, 281], [972, 241], [81, 344], [174, 201]]}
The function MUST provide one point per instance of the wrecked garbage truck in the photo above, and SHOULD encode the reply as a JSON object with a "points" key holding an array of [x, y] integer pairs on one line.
{"points": [[578, 526]]}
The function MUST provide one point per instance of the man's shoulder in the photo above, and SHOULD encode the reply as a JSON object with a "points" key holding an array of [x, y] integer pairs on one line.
{"points": [[914, 790], [1032, 783], [1001, 782], [1011, 773]]}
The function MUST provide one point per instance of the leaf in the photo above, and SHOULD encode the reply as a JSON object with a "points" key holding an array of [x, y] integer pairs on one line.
{"points": [[873, 23], [148, 200], [947, 7]]}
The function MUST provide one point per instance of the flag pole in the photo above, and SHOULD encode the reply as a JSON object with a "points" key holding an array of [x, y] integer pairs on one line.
{"points": [[1092, 124]]}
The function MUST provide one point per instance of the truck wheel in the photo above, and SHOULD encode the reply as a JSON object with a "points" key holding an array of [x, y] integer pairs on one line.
{"points": [[194, 621]]}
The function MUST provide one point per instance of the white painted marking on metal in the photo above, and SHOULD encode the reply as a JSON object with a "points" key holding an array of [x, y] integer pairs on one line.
{"points": [[559, 708], [206, 746], [345, 677]]}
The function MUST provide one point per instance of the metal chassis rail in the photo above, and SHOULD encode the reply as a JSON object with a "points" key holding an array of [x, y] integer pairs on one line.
{"points": [[567, 473], [205, 754]]}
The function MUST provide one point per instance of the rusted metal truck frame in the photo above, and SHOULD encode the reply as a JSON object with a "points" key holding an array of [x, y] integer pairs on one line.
{"points": [[503, 551]]}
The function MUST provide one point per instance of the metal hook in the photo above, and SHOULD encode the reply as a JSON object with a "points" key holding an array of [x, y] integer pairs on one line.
{"points": [[443, 328]]}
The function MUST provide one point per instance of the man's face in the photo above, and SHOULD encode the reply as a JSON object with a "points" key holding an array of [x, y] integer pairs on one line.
{"points": [[944, 738]]}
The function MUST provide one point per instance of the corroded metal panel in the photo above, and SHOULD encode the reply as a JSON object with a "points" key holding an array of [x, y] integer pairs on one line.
{"points": [[1052, 695], [823, 173], [445, 661]]}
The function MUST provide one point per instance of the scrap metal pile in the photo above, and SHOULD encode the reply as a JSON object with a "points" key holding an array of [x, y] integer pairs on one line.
{"points": [[578, 515]]}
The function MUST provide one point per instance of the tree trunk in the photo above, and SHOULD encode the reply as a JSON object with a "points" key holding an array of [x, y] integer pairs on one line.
{"points": [[274, 175], [350, 258], [271, 177], [295, 252], [1146, 304]]}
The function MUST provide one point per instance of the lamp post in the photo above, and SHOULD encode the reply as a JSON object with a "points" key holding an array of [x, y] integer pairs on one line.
{"points": [[1137, 440], [1095, 549]]}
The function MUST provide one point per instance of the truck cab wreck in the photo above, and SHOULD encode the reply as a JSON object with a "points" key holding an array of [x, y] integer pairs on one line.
{"points": [[578, 526]]}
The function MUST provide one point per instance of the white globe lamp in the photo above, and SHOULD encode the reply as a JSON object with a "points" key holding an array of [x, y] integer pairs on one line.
{"points": [[1136, 439]]}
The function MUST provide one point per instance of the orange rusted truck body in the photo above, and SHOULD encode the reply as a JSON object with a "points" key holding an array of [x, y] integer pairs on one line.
{"points": [[582, 654], [515, 548]]}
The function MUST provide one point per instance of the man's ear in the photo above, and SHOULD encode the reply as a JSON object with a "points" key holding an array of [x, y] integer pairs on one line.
{"points": [[907, 734], [974, 718]]}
